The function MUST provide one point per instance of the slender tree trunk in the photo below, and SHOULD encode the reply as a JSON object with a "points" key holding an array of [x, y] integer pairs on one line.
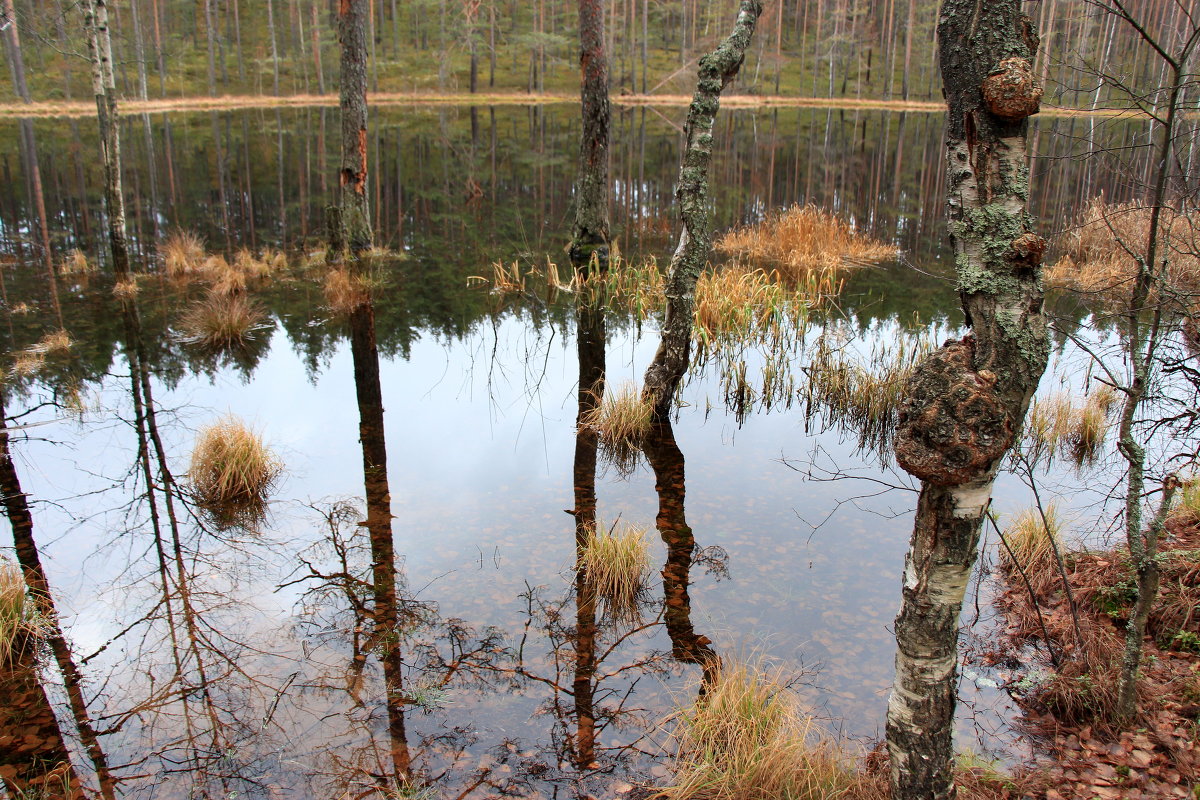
{"points": [[965, 403], [666, 460], [590, 234], [274, 47], [315, 30], [352, 178], [210, 25], [16, 508], [104, 88], [590, 336], [385, 608], [16, 60], [716, 70]]}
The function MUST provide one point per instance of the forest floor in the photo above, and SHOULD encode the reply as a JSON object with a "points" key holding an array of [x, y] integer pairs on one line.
{"points": [[1069, 708], [87, 108]]}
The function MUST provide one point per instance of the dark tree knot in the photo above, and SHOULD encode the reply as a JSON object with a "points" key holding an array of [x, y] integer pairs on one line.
{"points": [[952, 424], [1010, 91]]}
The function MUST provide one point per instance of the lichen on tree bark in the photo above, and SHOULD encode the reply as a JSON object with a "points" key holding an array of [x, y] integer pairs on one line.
{"points": [[716, 69], [982, 48]]}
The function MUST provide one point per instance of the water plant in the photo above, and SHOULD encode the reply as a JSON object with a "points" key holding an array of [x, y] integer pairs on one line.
{"points": [[615, 564], [621, 420], [232, 471], [183, 254], [17, 620], [1057, 425], [804, 239], [76, 262], [1032, 543], [745, 738], [345, 292], [220, 320]]}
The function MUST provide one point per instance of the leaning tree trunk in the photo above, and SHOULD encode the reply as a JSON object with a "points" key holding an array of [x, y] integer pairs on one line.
{"points": [[965, 403], [354, 222], [590, 234], [717, 69], [95, 19]]}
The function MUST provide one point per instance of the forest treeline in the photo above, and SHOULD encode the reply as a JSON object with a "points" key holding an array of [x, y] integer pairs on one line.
{"points": [[868, 49]]}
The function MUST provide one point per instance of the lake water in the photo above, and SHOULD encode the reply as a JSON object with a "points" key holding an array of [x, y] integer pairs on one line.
{"points": [[238, 679]]}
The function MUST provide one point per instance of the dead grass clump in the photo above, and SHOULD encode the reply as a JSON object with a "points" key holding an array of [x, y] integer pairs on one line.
{"points": [[804, 239], [345, 292], [615, 564], [76, 263], [126, 289], [221, 320], [1098, 253], [745, 738], [1058, 426], [861, 394], [1033, 543], [621, 420], [18, 622], [54, 343], [753, 306], [183, 254], [232, 471]]}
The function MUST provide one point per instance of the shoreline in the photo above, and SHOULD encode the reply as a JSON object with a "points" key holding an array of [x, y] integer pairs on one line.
{"points": [[87, 108]]}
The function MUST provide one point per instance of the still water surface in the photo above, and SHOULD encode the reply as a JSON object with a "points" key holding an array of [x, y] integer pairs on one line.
{"points": [[247, 686]]}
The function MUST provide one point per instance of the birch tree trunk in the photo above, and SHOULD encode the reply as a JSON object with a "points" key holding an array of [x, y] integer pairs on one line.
{"points": [[716, 70], [965, 403], [95, 19], [590, 234]]}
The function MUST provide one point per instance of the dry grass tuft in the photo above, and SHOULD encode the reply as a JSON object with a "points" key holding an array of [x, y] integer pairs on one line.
{"points": [[1097, 255], [745, 738], [232, 471], [126, 289], [54, 343], [183, 254], [27, 364], [221, 320], [1056, 425], [804, 239], [76, 263], [621, 421], [1034, 542], [345, 292], [861, 394], [17, 618], [616, 565]]}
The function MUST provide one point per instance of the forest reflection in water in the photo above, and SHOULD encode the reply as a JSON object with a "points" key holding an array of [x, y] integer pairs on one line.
{"points": [[442, 639]]}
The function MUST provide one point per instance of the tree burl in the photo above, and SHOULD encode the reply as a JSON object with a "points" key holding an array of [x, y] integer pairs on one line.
{"points": [[952, 425]]}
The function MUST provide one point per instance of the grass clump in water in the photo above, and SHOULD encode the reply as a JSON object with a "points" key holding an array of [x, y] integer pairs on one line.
{"points": [[232, 472], [77, 263], [18, 622], [1033, 544], [746, 738], [621, 420], [1096, 253], [345, 292], [804, 239], [1057, 425], [221, 320], [183, 254], [615, 564]]}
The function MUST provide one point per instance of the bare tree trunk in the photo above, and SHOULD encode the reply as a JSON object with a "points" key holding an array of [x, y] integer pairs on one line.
{"points": [[590, 340], [16, 508], [315, 30], [666, 460], [385, 612], [965, 403], [104, 88], [210, 23], [354, 221], [16, 61], [590, 234], [274, 47], [716, 70]]}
